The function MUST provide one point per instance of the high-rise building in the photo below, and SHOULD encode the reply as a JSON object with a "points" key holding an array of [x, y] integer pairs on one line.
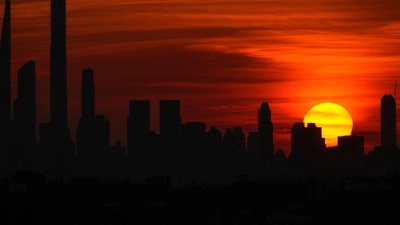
{"points": [[5, 87], [24, 121], [61, 143], [351, 147], [5, 65], [388, 121], [265, 132], [306, 142], [58, 70], [88, 93], [170, 119], [25, 104], [214, 134], [138, 124], [85, 132]]}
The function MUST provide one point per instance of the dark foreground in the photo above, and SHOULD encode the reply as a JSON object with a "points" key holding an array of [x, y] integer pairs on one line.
{"points": [[29, 198]]}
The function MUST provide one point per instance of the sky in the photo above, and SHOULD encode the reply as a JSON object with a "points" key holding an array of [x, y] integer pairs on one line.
{"points": [[221, 58]]}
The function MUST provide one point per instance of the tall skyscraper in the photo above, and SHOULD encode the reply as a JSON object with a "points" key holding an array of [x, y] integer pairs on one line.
{"points": [[265, 132], [58, 70], [62, 145], [138, 123], [24, 122], [388, 121], [25, 104], [88, 99], [85, 133], [5, 88], [5, 65], [170, 119]]}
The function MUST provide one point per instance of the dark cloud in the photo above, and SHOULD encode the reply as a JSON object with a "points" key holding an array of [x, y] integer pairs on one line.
{"points": [[173, 64]]}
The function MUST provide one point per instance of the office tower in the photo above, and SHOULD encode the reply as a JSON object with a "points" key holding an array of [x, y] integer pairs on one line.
{"points": [[58, 70], [5, 87], [306, 142], [85, 131], [61, 144], [170, 120], [5, 65], [388, 122], [24, 122], [87, 95], [138, 124], [265, 132]]}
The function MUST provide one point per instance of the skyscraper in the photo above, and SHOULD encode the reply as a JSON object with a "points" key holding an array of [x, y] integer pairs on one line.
{"points": [[306, 142], [265, 132], [88, 99], [170, 119], [5, 65], [62, 145], [25, 104], [388, 121], [58, 70], [5, 88], [24, 121], [138, 123], [85, 132]]}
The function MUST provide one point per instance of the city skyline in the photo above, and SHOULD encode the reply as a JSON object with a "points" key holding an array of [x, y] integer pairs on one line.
{"points": [[200, 43], [192, 112]]}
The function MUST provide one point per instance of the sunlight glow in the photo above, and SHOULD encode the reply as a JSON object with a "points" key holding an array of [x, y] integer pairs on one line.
{"points": [[334, 120]]}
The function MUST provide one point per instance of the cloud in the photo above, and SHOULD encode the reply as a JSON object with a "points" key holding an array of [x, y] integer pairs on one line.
{"points": [[175, 64]]}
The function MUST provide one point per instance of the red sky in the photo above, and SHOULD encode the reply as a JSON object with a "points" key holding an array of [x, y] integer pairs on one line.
{"points": [[221, 58]]}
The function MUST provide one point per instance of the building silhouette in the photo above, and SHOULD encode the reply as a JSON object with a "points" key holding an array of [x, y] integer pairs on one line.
{"points": [[170, 120], [351, 147], [235, 138], [265, 132], [214, 134], [85, 133], [193, 128], [138, 124], [24, 118], [307, 143], [5, 89], [388, 122], [61, 143], [58, 70]]}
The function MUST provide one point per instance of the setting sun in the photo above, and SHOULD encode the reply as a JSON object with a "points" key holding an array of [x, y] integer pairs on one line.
{"points": [[334, 120]]}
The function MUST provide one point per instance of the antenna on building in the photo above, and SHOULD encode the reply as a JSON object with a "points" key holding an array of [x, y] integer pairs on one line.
{"points": [[395, 86]]}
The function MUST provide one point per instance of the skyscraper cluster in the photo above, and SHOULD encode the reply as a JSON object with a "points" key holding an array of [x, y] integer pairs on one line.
{"points": [[185, 151]]}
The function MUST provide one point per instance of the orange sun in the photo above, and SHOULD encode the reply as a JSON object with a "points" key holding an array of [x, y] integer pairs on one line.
{"points": [[333, 119]]}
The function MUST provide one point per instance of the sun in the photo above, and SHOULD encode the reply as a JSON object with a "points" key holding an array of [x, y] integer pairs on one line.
{"points": [[334, 120]]}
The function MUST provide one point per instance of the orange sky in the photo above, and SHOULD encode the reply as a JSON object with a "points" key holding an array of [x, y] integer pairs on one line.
{"points": [[221, 58]]}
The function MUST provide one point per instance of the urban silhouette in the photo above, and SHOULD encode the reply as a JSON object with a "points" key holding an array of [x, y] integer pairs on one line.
{"points": [[185, 174]]}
